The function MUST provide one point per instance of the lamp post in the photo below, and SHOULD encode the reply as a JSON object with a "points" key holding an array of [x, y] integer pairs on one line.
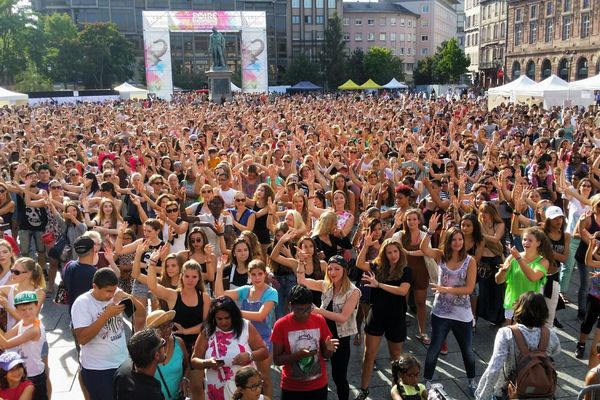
{"points": [[569, 54]]}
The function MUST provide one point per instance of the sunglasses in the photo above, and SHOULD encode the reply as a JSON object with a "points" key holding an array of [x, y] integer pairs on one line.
{"points": [[2, 191], [16, 272], [55, 187], [287, 161], [74, 175], [172, 210], [205, 191], [157, 183], [196, 240], [239, 200]]}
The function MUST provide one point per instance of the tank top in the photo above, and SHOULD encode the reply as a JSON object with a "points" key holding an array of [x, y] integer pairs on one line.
{"points": [[582, 249], [171, 373], [517, 283], [260, 226], [188, 316], [146, 256], [31, 351], [178, 241], [451, 306]]}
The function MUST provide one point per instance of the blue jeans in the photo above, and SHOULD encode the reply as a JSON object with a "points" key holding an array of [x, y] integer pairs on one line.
{"points": [[99, 382], [286, 282], [584, 284], [463, 332], [567, 267]]}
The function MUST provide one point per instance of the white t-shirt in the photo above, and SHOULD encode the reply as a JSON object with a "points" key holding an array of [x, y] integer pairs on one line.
{"points": [[227, 196], [108, 349]]}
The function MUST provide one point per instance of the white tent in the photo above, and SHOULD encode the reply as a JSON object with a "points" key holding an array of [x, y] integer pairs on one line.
{"points": [[7, 97], [592, 83], [394, 84], [127, 91], [556, 92], [508, 93], [235, 88]]}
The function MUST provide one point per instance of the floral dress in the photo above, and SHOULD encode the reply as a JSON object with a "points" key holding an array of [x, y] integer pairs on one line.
{"points": [[224, 346]]}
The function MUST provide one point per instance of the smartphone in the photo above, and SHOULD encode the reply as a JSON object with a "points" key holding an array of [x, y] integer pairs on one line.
{"points": [[128, 303]]}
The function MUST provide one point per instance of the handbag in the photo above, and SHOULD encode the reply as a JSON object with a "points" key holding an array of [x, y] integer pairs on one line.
{"points": [[61, 294], [48, 239]]}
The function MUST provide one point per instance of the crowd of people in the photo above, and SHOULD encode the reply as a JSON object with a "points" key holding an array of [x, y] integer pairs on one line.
{"points": [[283, 232]]}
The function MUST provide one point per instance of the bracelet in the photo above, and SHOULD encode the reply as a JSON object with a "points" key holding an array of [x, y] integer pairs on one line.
{"points": [[430, 234], [220, 234]]}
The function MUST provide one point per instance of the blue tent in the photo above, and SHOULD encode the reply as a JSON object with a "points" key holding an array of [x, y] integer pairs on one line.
{"points": [[304, 86]]}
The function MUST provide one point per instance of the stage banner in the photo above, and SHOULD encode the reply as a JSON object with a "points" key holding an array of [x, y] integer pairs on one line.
{"points": [[255, 77], [157, 57]]}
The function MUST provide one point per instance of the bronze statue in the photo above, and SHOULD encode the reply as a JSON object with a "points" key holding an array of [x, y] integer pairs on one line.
{"points": [[216, 47]]}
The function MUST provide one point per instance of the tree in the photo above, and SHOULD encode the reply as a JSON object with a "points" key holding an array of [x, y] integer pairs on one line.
{"points": [[332, 55], [63, 54], [302, 69], [356, 66], [423, 74], [451, 62], [30, 80], [381, 65], [107, 57]]}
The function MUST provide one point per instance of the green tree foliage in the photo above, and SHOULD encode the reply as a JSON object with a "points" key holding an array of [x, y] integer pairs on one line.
{"points": [[30, 80], [423, 74], [107, 57], [381, 65], [333, 56], [19, 39], [451, 62], [356, 66], [63, 54], [302, 69]]}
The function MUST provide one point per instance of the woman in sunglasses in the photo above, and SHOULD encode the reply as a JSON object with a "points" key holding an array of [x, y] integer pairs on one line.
{"points": [[243, 218], [174, 227]]}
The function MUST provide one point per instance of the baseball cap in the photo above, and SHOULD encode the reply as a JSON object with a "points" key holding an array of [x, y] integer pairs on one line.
{"points": [[9, 360], [83, 245], [25, 297], [338, 260], [554, 212]]}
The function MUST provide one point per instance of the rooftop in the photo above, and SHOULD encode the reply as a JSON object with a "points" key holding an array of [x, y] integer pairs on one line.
{"points": [[376, 8]]}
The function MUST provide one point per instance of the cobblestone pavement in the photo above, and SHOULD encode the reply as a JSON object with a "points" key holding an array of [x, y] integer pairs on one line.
{"points": [[450, 369]]}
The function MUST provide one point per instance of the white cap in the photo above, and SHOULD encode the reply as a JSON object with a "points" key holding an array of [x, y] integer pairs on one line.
{"points": [[554, 212]]}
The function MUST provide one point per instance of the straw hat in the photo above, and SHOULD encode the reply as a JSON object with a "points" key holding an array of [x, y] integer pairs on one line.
{"points": [[159, 317]]}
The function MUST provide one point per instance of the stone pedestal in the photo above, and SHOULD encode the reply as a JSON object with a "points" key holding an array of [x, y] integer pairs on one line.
{"points": [[219, 84]]}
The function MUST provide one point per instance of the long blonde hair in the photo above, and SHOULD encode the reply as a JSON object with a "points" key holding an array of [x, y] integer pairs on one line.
{"points": [[37, 273], [325, 224]]}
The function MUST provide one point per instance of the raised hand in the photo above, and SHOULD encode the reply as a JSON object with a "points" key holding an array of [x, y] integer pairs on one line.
{"points": [[434, 222]]}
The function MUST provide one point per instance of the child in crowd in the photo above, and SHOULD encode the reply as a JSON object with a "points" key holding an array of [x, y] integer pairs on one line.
{"points": [[405, 373], [249, 384], [14, 384]]}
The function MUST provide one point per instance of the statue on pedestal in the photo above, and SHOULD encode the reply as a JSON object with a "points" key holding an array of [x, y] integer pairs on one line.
{"points": [[216, 47]]}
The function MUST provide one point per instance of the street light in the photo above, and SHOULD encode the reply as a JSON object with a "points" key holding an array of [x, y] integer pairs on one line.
{"points": [[569, 54]]}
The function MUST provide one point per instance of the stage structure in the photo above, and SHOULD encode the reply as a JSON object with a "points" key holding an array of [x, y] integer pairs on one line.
{"points": [[157, 47]]}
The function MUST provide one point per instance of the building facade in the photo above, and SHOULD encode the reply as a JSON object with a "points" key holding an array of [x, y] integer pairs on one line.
{"points": [[492, 42], [560, 37], [472, 12], [383, 25], [459, 8], [189, 50]]}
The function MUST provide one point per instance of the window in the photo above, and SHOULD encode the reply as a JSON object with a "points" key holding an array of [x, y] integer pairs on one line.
{"points": [[401, 50], [495, 9], [358, 21], [476, 39], [533, 12], [495, 31], [296, 35], [382, 21], [549, 31], [424, 8], [358, 37], [409, 51], [424, 23], [320, 35], [518, 15], [402, 22], [468, 40], [308, 4], [585, 4], [295, 19], [532, 32], [424, 51], [502, 31], [518, 34], [424, 38], [370, 22], [371, 37], [566, 5], [346, 37], [308, 19], [393, 21], [319, 3], [392, 37], [382, 37], [585, 25], [409, 23], [346, 21], [319, 20], [402, 37], [549, 8], [331, 4], [295, 3], [566, 27]]}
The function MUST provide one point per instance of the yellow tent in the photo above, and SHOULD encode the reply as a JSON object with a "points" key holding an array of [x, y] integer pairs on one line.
{"points": [[370, 84], [349, 85]]}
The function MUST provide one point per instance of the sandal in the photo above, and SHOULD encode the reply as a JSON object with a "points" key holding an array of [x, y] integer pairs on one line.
{"points": [[357, 339], [424, 338]]}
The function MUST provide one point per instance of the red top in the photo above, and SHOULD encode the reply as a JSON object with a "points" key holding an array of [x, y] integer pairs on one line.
{"points": [[15, 393], [308, 373]]}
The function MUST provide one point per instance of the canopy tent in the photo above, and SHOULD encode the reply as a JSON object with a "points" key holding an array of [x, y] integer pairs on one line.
{"points": [[508, 92], [349, 85], [592, 83], [7, 97], [394, 84], [127, 91], [556, 92], [370, 84], [304, 86], [235, 88]]}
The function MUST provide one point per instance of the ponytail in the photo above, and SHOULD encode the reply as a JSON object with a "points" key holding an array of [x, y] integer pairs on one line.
{"points": [[37, 273]]}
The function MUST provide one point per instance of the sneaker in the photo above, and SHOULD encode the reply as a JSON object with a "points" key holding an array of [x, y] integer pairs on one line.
{"points": [[580, 350], [444, 349], [363, 395]]}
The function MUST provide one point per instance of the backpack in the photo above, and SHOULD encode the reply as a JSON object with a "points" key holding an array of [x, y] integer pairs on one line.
{"points": [[534, 375]]}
